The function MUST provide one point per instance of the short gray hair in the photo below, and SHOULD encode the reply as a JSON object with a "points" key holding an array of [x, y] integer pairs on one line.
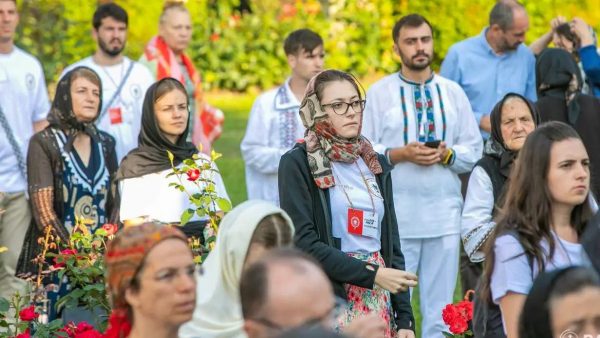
{"points": [[502, 13]]}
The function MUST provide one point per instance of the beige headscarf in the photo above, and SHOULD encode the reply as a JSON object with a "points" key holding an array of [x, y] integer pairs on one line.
{"points": [[218, 310], [324, 145]]}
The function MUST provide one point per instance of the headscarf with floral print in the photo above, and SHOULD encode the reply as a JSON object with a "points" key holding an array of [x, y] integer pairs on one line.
{"points": [[124, 257], [323, 144]]}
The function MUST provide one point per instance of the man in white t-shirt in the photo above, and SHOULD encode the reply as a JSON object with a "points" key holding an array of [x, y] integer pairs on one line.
{"points": [[424, 125], [24, 105], [124, 82], [274, 125]]}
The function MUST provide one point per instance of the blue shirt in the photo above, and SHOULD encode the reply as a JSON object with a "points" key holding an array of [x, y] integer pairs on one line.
{"points": [[590, 59], [486, 76]]}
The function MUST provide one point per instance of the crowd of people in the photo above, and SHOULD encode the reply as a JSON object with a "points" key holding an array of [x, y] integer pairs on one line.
{"points": [[488, 170]]}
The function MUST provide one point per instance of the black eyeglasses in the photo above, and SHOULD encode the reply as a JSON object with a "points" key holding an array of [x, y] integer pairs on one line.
{"points": [[341, 108]]}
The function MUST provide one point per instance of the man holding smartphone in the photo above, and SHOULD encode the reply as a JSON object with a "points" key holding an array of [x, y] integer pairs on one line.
{"points": [[424, 125]]}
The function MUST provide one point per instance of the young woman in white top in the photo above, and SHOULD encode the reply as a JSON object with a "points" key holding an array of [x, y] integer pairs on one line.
{"points": [[538, 228], [142, 181]]}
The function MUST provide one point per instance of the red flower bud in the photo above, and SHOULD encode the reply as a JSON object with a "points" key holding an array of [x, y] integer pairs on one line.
{"points": [[28, 314], [26, 334], [193, 175]]}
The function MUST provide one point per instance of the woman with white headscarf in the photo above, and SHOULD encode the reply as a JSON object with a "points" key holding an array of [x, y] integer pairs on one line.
{"points": [[246, 233]]}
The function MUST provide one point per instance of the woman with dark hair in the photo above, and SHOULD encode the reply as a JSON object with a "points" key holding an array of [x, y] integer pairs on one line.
{"points": [[337, 191], [545, 211], [143, 185], [245, 234], [560, 99], [70, 165], [151, 282], [560, 302], [512, 119]]}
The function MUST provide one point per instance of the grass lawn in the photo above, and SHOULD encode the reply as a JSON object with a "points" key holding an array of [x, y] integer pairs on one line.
{"points": [[236, 108]]}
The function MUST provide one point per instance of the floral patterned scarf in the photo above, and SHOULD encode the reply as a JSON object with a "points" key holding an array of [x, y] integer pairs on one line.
{"points": [[324, 145]]}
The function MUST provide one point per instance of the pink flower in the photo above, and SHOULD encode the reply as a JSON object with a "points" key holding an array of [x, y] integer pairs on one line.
{"points": [[110, 229], [28, 314]]}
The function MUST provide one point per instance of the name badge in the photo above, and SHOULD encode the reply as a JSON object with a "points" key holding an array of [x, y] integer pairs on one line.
{"points": [[115, 115], [363, 223]]}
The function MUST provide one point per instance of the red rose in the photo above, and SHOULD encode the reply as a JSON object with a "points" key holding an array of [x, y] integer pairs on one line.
{"points": [[110, 229], [28, 314], [88, 334], [25, 334], [450, 314], [466, 309], [59, 261], [459, 326], [193, 175]]}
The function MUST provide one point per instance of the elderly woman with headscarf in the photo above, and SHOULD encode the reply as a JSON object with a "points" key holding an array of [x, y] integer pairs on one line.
{"points": [[151, 282], [246, 233], [144, 187], [560, 99], [512, 119], [70, 164], [337, 191]]}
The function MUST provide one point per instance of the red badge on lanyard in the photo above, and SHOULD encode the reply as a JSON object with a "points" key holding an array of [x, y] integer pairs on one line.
{"points": [[115, 115], [355, 221]]}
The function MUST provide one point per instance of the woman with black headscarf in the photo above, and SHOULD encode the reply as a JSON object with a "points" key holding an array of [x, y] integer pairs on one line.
{"points": [[70, 164], [144, 190], [512, 119], [562, 303], [560, 99]]}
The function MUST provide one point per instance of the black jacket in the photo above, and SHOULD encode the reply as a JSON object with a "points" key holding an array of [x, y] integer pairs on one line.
{"points": [[305, 203]]}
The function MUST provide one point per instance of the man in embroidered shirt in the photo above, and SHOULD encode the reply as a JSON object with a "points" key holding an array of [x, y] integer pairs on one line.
{"points": [[494, 63], [24, 105], [124, 82], [274, 124], [424, 124]]}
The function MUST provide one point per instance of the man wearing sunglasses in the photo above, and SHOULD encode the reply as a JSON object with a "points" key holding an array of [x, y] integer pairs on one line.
{"points": [[274, 125], [424, 125]]}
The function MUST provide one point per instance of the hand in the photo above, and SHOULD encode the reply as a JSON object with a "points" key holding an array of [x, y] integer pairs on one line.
{"points": [[554, 23], [415, 152], [366, 327], [443, 151], [485, 123], [403, 333], [395, 280], [582, 30]]}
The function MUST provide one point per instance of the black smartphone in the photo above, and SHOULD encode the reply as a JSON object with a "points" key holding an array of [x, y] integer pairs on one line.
{"points": [[433, 144]]}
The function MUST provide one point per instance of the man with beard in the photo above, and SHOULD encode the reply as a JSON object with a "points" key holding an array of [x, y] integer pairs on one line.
{"points": [[124, 82], [494, 63], [274, 124], [24, 105], [424, 125], [488, 67]]}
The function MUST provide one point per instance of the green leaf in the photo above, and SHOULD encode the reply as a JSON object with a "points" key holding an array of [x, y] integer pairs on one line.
{"points": [[189, 162], [200, 212], [446, 334], [186, 216], [4, 305], [224, 204]]}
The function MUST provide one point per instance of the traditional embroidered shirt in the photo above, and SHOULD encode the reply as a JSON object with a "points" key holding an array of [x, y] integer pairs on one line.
{"points": [[273, 128], [427, 199]]}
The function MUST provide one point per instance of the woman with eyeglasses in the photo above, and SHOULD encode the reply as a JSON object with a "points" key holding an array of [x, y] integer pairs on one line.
{"points": [[246, 233], [338, 192], [150, 278]]}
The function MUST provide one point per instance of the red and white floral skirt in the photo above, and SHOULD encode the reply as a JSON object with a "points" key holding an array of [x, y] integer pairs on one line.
{"points": [[361, 301]]}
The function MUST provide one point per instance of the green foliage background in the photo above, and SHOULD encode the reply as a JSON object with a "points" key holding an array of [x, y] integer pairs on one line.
{"points": [[241, 51]]}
